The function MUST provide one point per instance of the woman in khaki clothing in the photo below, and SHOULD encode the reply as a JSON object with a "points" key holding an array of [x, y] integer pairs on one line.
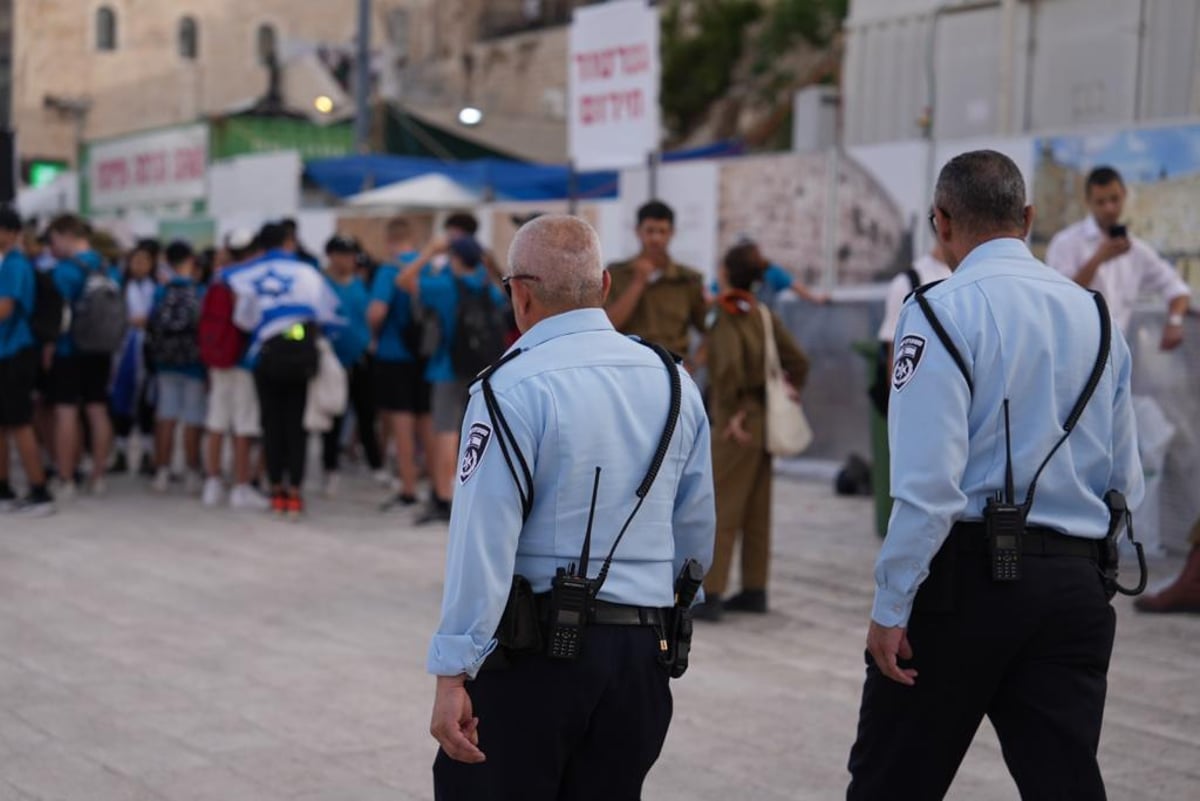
{"points": [[737, 402]]}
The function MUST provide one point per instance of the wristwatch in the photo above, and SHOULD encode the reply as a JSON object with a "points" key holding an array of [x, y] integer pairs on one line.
{"points": [[1175, 320]]}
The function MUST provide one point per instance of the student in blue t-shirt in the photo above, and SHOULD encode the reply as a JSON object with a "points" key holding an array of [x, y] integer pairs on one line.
{"points": [[775, 281], [182, 392], [77, 378], [351, 344], [18, 373], [438, 291], [401, 391]]}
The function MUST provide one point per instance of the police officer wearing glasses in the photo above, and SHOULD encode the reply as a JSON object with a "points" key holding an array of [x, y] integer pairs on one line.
{"points": [[1012, 441], [583, 522]]}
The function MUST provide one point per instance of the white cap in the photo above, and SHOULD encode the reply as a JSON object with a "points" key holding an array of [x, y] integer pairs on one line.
{"points": [[239, 238]]}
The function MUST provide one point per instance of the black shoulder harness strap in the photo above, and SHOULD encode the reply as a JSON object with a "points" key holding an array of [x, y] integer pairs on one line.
{"points": [[516, 460], [940, 330], [1084, 398]]}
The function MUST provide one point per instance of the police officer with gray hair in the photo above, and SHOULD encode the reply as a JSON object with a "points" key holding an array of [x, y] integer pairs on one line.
{"points": [[1014, 462], [583, 523]]}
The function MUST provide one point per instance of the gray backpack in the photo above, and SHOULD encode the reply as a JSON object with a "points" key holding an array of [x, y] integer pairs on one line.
{"points": [[98, 318]]}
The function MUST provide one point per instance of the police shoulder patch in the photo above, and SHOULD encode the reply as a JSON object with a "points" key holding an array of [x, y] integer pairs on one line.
{"points": [[478, 439], [908, 358]]}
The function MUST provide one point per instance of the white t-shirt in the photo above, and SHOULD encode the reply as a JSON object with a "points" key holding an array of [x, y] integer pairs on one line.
{"points": [[1123, 280], [139, 298], [928, 270]]}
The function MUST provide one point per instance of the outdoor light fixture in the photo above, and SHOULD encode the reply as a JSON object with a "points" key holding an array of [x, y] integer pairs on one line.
{"points": [[470, 116], [324, 104]]}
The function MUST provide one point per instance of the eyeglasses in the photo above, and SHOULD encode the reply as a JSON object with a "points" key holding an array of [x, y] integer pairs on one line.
{"points": [[508, 279], [933, 218]]}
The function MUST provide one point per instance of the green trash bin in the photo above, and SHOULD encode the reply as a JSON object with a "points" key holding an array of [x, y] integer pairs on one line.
{"points": [[881, 481]]}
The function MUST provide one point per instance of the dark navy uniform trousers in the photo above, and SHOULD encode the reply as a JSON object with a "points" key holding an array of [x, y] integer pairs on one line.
{"points": [[1032, 656], [567, 731]]}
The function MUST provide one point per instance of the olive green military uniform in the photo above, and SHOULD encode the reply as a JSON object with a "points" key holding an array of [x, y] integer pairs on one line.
{"points": [[667, 308], [742, 473]]}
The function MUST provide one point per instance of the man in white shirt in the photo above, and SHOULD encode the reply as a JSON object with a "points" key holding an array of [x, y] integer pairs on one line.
{"points": [[926, 270], [1098, 253]]}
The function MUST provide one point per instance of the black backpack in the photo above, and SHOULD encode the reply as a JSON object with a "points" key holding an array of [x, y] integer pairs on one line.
{"points": [[46, 318], [479, 330], [172, 339]]}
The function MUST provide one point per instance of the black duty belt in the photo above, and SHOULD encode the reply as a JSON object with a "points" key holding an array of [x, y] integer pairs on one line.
{"points": [[605, 613], [971, 537]]}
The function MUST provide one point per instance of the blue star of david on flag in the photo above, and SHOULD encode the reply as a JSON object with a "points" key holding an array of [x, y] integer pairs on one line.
{"points": [[272, 285]]}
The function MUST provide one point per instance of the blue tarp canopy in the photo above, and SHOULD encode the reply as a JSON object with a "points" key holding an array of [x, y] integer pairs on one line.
{"points": [[503, 180]]}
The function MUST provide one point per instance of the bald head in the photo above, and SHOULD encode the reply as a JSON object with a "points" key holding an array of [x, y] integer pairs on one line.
{"points": [[561, 255]]}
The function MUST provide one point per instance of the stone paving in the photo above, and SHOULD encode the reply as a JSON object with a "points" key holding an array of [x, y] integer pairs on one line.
{"points": [[157, 651]]}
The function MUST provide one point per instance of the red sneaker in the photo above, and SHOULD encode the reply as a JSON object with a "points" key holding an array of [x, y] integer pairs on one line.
{"points": [[295, 506], [279, 504]]}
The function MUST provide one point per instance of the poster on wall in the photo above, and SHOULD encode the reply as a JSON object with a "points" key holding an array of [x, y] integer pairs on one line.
{"points": [[1161, 168], [613, 78], [148, 169]]}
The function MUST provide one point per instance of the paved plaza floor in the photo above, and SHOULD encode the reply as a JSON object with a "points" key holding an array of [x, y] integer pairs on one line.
{"points": [[154, 650]]}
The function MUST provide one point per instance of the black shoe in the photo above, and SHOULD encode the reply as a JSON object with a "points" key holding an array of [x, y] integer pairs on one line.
{"points": [[398, 501], [37, 503], [711, 609], [8, 498], [436, 512], [752, 601], [120, 465]]}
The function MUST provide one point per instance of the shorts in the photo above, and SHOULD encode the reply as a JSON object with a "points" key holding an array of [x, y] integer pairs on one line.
{"points": [[233, 403], [181, 399], [449, 406], [18, 373], [79, 378], [401, 387]]}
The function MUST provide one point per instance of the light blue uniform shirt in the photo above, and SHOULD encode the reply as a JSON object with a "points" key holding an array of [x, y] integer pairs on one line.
{"points": [[581, 396], [392, 347], [1029, 335], [439, 291], [17, 283]]}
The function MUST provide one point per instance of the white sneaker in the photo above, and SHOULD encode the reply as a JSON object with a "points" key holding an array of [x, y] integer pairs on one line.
{"points": [[192, 482], [162, 480], [245, 498], [383, 478], [98, 487], [64, 491], [332, 482], [213, 491]]}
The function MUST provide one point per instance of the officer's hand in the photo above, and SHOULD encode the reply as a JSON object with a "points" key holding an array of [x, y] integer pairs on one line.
{"points": [[886, 644], [1172, 337], [454, 725], [1112, 247]]}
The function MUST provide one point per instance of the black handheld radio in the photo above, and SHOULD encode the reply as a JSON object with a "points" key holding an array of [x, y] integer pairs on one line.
{"points": [[572, 595], [1005, 521]]}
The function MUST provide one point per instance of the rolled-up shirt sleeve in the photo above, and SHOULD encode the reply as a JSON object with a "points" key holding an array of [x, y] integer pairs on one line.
{"points": [[481, 553], [1158, 276], [929, 394]]}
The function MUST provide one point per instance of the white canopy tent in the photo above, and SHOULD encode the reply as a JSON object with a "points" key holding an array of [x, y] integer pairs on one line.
{"points": [[431, 191]]}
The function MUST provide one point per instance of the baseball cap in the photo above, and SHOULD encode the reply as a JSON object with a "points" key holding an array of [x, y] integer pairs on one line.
{"points": [[240, 239], [467, 249]]}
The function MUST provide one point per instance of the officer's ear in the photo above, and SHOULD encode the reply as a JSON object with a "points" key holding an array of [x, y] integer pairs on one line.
{"points": [[606, 287], [1029, 216]]}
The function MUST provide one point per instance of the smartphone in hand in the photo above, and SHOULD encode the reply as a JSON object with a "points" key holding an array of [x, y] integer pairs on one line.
{"points": [[1118, 232]]}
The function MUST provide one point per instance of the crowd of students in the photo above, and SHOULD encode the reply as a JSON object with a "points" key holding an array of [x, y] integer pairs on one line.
{"points": [[109, 362]]}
